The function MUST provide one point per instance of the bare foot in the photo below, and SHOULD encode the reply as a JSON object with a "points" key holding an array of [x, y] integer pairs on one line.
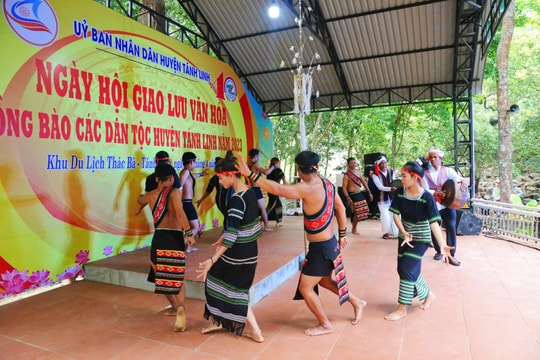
{"points": [[318, 330], [427, 302], [168, 311], [358, 306], [253, 336], [210, 329], [356, 232], [268, 229], [396, 315], [180, 324]]}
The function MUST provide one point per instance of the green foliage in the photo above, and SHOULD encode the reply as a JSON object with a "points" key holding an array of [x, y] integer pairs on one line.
{"points": [[524, 82]]}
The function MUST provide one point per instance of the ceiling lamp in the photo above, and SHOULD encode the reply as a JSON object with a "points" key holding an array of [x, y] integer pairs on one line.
{"points": [[273, 10]]}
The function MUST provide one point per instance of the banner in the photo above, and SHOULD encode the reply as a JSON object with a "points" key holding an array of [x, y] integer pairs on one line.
{"points": [[87, 98]]}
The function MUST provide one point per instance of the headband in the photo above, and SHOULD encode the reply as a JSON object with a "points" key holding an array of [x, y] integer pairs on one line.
{"points": [[162, 159], [380, 160], [435, 151], [412, 173], [377, 162]]}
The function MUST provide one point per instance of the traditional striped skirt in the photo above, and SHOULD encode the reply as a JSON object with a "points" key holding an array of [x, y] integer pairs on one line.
{"points": [[360, 206], [169, 257]]}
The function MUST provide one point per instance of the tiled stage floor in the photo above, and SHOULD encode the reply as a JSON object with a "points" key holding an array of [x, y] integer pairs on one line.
{"points": [[489, 308]]}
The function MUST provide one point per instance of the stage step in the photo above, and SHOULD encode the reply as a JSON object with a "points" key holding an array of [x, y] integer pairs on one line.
{"points": [[280, 257]]}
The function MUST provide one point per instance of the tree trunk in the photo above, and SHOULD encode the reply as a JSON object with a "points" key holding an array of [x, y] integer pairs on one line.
{"points": [[503, 104], [155, 22]]}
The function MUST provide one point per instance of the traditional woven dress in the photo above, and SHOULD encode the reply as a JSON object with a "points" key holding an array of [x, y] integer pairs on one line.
{"points": [[416, 215], [229, 279]]}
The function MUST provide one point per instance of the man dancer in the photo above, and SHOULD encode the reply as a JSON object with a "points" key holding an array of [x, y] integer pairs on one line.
{"points": [[162, 157], [320, 205], [433, 181], [352, 186], [187, 181], [167, 253]]}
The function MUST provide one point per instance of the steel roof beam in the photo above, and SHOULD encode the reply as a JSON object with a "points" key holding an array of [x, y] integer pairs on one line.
{"points": [[214, 42]]}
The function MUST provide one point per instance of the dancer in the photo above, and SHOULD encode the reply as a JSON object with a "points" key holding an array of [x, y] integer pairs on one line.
{"points": [[162, 157], [352, 186], [416, 216], [274, 207], [230, 271], [167, 252], [187, 181], [253, 164], [320, 204]]}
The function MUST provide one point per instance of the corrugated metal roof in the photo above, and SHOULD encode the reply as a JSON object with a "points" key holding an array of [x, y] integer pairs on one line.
{"points": [[372, 52]]}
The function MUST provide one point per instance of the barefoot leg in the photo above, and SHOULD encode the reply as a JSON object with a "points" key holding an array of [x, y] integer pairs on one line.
{"points": [[210, 329], [180, 324], [358, 306], [399, 313], [253, 336], [168, 311], [318, 330], [427, 302]]}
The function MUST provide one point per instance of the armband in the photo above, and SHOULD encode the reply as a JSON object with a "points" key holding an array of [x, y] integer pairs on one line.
{"points": [[254, 176], [188, 233], [342, 233]]}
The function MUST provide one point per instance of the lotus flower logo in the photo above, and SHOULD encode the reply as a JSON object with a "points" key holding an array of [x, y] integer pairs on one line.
{"points": [[33, 21]]}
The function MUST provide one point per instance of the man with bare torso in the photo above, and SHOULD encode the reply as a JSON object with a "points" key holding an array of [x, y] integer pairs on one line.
{"points": [[320, 205], [352, 187], [168, 243]]}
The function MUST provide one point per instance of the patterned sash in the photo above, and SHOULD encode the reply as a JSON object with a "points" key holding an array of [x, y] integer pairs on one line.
{"points": [[314, 224], [161, 206], [341, 280], [355, 178]]}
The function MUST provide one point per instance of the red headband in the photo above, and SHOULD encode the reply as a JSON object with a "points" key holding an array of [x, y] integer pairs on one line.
{"points": [[232, 172], [162, 159], [412, 173]]}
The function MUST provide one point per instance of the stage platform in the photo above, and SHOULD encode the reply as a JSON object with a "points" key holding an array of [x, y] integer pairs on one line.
{"points": [[281, 253]]}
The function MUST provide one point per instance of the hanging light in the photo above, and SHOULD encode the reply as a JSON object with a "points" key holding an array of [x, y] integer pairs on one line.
{"points": [[273, 10]]}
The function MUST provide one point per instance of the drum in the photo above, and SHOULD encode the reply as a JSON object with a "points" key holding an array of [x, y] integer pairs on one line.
{"points": [[454, 198], [395, 184]]}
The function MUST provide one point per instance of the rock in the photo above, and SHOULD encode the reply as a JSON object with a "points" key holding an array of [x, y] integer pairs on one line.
{"points": [[528, 182]]}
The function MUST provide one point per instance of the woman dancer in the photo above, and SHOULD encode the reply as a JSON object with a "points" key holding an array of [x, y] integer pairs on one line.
{"points": [[419, 216], [229, 272]]}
